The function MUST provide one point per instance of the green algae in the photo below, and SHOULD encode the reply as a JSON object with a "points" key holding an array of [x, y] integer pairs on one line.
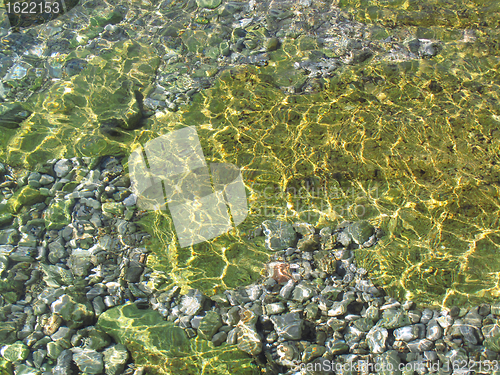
{"points": [[411, 146], [392, 13], [26, 196], [163, 348], [58, 214], [228, 261], [91, 108]]}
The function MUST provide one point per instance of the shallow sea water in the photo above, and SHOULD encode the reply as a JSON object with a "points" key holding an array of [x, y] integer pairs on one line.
{"points": [[411, 145]]}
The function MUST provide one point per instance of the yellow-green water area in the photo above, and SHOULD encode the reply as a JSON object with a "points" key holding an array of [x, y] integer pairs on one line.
{"points": [[411, 146]]}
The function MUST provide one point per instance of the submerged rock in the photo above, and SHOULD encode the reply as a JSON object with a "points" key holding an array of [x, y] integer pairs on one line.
{"points": [[165, 349], [279, 235]]}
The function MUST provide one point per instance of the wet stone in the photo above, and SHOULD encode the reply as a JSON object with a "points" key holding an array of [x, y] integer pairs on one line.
{"points": [[94, 338], [233, 316], [15, 352], [353, 335], [360, 231], [272, 44], [38, 357], [88, 361], [387, 360], [232, 337], [288, 326], [209, 4], [484, 309], [325, 261], [279, 235], [62, 167], [311, 311], [54, 349], [115, 359], [338, 308], [303, 291], [209, 325], [79, 262], [414, 316], [473, 318], [331, 292], [427, 315], [434, 330], [336, 346], [490, 330], [373, 313], [312, 351], [495, 308], [493, 343], [249, 339], [394, 319], [75, 314], [469, 333], [219, 338], [336, 324], [421, 345], [304, 229], [363, 324], [308, 243], [445, 321], [275, 308], [57, 252], [407, 333], [63, 364], [192, 302], [134, 272], [376, 339], [287, 289], [63, 336], [254, 292]]}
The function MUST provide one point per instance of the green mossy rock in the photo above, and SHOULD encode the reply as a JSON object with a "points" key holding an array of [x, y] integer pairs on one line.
{"points": [[12, 114], [58, 214], [209, 325], [5, 367], [27, 196], [8, 331], [16, 352], [6, 219], [74, 313], [493, 343], [162, 348], [209, 4]]}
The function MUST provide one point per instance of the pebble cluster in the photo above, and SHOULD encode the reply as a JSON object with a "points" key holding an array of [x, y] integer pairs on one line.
{"points": [[72, 252], [77, 252], [220, 36], [316, 311]]}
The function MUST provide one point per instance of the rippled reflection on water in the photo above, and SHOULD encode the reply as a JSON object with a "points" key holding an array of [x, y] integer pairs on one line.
{"points": [[410, 145]]}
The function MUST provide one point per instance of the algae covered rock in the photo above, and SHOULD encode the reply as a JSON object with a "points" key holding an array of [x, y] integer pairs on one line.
{"points": [[15, 352], [6, 367], [163, 348], [493, 343], [75, 314], [58, 214], [209, 4], [12, 114], [27, 196]]}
